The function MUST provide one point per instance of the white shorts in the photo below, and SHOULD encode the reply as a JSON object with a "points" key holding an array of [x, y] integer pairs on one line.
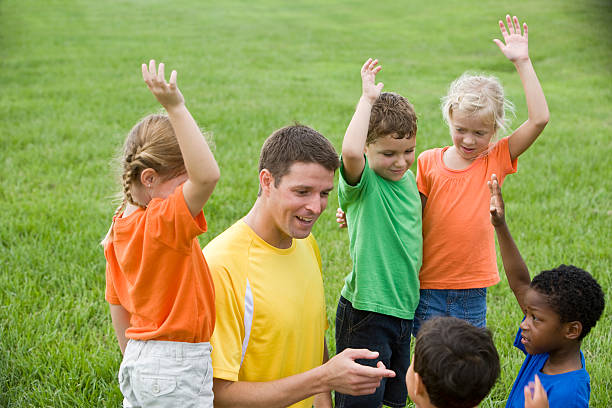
{"points": [[166, 374]]}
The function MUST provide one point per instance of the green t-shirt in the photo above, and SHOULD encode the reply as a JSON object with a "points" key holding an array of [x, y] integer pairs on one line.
{"points": [[386, 243]]}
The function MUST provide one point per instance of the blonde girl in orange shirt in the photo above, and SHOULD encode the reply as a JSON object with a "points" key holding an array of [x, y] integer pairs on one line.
{"points": [[459, 260], [158, 284]]}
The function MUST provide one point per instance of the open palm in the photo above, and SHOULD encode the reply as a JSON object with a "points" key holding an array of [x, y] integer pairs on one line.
{"points": [[515, 43]]}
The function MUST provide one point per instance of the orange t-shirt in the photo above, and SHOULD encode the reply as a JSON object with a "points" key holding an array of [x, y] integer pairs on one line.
{"points": [[458, 238], [155, 269]]}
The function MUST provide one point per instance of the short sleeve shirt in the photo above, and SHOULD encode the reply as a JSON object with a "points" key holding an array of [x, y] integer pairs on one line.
{"points": [[458, 238], [568, 390], [271, 317], [155, 270], [386, 243]]}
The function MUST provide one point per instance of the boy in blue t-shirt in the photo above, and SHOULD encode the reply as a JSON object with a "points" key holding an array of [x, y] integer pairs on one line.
{"points": [[383, 211], [560, 306]]}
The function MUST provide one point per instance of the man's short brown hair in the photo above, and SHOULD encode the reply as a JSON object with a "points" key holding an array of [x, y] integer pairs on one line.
{"points": [[296, 143], [392, 114]]}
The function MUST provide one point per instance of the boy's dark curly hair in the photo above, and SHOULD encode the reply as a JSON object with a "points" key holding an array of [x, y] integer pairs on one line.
{"points": [[457, 362], [573, 294]]}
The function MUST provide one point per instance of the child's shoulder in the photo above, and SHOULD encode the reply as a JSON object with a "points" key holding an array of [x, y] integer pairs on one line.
{"points": [[430, 154]]}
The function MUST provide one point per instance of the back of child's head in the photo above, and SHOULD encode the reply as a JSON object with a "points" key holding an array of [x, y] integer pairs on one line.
{"points": [[573, 294], [394, 115], [479, 95], [151, 144], [296, 143], [457, 362]]}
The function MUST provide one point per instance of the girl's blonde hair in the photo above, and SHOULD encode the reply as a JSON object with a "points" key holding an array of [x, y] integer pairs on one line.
{"points": [[150, 144], [480, 95]]}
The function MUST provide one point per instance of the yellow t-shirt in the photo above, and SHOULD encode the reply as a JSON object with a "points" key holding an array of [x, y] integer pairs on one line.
{"points": [[270, 307]]}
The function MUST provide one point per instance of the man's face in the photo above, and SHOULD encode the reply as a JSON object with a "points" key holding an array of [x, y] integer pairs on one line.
{"points": [[298, 200]]}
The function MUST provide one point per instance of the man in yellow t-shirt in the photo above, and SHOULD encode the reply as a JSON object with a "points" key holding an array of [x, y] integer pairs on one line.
{"points": [[268, 344]]}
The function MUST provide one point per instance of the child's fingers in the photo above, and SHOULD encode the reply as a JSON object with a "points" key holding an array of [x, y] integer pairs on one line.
{"points": [[173, 79], [528, 396], [366, 65], [145, 73], [525, 30], [538, 391], [499, 44], [502, 28], [517, 25], [152, 68], [160, 73], [509, 22]]}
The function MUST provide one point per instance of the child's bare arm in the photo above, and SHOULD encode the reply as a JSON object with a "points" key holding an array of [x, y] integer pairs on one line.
{"points": [[514, 265], [357, 131], [202, 169], [515, 48], [121, 322]]}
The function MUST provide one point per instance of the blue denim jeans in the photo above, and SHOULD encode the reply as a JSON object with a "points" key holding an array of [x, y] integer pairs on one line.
{"points": [[388, 335], [467, 304]]}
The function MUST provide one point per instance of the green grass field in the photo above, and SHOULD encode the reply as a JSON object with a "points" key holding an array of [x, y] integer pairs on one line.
{"points": [[71, 88]]}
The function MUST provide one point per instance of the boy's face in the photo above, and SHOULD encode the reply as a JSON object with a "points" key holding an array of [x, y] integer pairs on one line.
{"points": [[543, 331], [471, 134], [390, 158]]}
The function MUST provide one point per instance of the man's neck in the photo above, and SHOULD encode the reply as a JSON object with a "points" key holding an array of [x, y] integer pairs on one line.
{"points": [[260, 221]]}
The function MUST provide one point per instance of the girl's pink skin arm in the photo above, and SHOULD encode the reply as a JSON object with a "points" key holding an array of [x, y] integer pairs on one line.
{"points": [[515, 48]]}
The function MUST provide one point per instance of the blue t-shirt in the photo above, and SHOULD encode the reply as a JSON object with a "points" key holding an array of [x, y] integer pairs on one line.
{"points": [[567, 390]]}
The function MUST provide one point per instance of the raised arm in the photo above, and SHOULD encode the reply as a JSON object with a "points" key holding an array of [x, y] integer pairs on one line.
{"points": [[354, 141], [202, 170], [515, 48], [514, 265], [340, 373]]}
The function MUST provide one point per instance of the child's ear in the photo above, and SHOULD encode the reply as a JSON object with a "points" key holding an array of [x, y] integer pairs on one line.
{"points": [[147, 177], [419, 389], [573, 330]]}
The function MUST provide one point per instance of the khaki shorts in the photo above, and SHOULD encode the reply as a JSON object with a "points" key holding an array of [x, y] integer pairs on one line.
{"points": [[166, 374]]}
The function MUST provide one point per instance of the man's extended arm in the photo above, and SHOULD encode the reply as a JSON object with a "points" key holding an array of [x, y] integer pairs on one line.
{"points": [[340, 373]]}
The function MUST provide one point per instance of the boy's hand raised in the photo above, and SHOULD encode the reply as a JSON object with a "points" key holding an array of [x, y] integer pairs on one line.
{"points": [[371, 90], [515, 47], [166, 93], [535, 395], [496, 207]]}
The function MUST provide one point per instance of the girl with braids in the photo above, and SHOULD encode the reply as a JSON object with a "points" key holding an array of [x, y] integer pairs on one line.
{"points": [[158, 285]]}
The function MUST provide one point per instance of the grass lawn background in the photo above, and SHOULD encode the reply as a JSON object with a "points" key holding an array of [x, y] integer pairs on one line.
{"points": [[71, 88]]}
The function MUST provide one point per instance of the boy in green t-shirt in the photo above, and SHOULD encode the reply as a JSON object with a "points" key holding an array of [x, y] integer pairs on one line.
{"points": [[378, 192]]}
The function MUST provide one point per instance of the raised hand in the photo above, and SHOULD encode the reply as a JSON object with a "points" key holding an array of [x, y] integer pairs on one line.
{"points": [[496, 207], [166, 93], [341, 218], [371, 90], [535, 395], [514, 46]]}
